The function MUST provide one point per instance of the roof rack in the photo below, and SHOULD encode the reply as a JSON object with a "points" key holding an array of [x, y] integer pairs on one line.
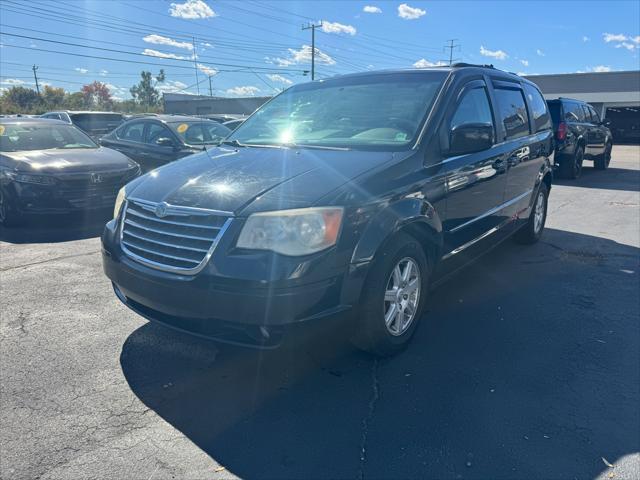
{"points": [[463, 64]]}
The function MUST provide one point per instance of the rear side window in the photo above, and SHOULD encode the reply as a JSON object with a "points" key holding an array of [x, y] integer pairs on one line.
{"points": [[573, 112], [132, 132], [512, 112], [473, 108], [157, 131], [541, 118]]}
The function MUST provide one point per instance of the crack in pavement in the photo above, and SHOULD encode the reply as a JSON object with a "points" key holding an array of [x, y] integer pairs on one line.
{"points": [[48, 260], [375, 386]]}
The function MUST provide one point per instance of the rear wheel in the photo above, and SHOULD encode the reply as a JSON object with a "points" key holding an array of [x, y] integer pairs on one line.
{"points": [[602, 161], [572, 167], [532, 230], [393, 298]]}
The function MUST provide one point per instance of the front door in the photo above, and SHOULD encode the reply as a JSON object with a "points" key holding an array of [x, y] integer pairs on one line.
{"points": [[475, 182]]}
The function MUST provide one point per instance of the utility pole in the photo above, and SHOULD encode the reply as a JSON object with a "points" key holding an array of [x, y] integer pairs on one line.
{"points": [[35, 76], [210, 89], [195, 64], [452, 46], [312, 27]]}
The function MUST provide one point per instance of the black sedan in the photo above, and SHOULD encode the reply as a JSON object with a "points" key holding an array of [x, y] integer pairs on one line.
{"points": [[155, 141], [51, 167]]}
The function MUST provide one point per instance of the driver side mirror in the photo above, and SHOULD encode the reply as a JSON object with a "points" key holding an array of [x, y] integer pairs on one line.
{"points": [[470, 138], [165, 142]]}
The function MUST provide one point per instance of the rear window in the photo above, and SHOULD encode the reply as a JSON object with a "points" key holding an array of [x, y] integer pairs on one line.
{"points": [[97, 122], [556, 111]]}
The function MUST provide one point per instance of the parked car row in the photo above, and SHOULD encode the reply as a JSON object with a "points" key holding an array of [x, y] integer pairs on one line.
{"points": [[348, 197]]}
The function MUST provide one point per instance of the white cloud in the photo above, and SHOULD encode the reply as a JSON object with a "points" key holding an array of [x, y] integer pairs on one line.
{"points": [[371, 9], [525, 62], [335, 27], [103, 73], [118, 93], [279, 78], [410, 13], [210, 72], [81, 70], [497, 54], [171, 86], [207, 44], [423, 63], [635, 39], [156, 53], [301, 56], [12, 81], [627, 45], [614, 37], [540, 53], [160, 40], [585, 38], [191, 9], [599, 69], [246, 91]]}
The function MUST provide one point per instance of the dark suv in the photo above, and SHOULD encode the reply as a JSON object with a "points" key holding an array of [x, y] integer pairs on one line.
{"points": [[351, 195], [580, 135]]}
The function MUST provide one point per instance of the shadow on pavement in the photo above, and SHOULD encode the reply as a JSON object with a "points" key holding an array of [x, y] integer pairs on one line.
{"points": [[525, 366], [58, 228], [610, 179]]}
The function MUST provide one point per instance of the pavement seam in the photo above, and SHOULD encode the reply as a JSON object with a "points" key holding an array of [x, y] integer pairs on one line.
{"points": [[366, 421], [48, 260]]}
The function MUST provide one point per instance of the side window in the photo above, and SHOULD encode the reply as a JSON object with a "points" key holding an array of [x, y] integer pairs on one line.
{"points": [[156, 131], [513, 112], [541, 117], [587, 114], [594, 115], [573, 112], [473, 108], [132, 132]]}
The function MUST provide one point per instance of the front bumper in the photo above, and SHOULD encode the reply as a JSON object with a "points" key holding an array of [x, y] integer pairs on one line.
{"points": [[251, 301]]}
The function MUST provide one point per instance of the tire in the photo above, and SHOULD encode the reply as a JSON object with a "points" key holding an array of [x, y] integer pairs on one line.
{"points": [[7, 216], [385, 326], [571, 168], [602, 161], [532, 231]]}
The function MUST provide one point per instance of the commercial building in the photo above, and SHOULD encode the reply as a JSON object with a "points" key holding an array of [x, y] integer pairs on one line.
{"points": [[614, 95]]}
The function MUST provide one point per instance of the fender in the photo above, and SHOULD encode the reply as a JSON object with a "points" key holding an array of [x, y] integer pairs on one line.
{"points": [[384, 224]]}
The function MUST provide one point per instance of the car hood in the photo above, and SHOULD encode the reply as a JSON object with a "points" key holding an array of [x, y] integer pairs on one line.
{"points": [[66, 161], [231, 179]]}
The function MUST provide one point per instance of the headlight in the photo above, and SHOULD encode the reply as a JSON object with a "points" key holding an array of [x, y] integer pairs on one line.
{"points": [[122, 195], [35, 179], [292, 232]]}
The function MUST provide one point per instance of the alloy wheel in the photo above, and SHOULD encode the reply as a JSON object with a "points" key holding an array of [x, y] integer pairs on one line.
{"points": [[402, 296], [538, 213]]}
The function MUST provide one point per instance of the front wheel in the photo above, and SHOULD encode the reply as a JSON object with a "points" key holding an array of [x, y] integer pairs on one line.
{"points": [[532, 230], [393, 298]]}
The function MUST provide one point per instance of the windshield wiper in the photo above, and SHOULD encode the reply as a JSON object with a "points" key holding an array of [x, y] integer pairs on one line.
{"points": [[233, 143], [317, 147]]}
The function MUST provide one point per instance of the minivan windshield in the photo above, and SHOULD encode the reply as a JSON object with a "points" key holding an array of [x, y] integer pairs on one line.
{"points": [[371, 111], [22, 137]]}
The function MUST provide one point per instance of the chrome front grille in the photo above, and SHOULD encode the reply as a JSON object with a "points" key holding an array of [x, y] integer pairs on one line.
{"points": [[169, 237]]}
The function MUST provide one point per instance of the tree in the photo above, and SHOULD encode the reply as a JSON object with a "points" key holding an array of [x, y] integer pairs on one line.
{"points": [[74, 101], [145, 92], [19, 99], [53, 97], [96, 94]]}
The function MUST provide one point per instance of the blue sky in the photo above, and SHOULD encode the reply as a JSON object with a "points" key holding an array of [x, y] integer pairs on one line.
{"points": [[258, 47]]}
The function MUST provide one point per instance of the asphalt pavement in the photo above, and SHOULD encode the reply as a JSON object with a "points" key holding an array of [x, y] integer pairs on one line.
{"points": [[526, 365]]}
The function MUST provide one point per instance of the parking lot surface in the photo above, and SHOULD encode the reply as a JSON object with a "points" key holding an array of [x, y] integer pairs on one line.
{"points": [[527, 365]]}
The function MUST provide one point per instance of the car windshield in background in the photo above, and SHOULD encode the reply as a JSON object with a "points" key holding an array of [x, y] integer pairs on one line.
{"points": [[382, 111], [90, 122], [200, 133], [16, 138]]}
